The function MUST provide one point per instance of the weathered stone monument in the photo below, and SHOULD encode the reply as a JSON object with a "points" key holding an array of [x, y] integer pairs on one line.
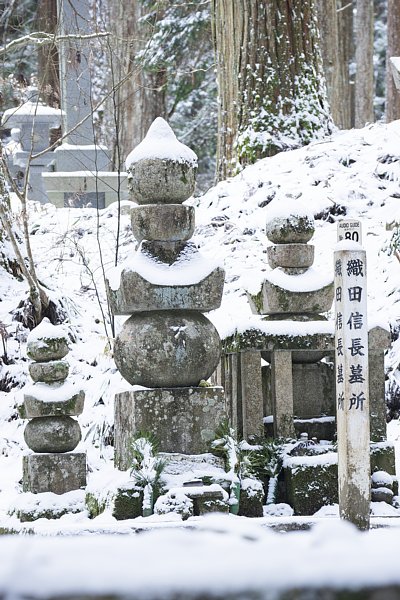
{"points": [[294, 292], [82, 176], [50, 404], [352, 392], [34, 120], [167, 345]]}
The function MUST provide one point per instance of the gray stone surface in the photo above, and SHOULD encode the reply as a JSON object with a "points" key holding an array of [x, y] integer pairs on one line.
{"points": [[164, 222], [167, 252], [274, 299], [52, 434], [161, 181], [382, 494], [167, 348], [46, 349], [314, 390], [252, 399], [378, 342], [293, 229], [54, 370], [34, 407], [57, 473], [136, 294], [300, 256], [282, 394], [182, 419]]}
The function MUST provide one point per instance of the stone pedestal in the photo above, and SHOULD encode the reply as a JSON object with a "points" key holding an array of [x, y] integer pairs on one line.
{"points": [[82, 188], [53, 472], [182, 419]]}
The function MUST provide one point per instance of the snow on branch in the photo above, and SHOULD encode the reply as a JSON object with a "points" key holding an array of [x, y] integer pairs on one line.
{"points": [[41, 38]]}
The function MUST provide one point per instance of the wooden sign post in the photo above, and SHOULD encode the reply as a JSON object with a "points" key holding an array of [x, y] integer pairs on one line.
{"points": [[352, 395]]}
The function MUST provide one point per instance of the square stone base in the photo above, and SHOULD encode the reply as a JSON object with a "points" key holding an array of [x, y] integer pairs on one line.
{"points": [[182, 419], [57, 473]]}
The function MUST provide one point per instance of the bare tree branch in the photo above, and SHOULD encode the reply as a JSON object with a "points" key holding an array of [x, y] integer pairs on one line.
{"points": [[41, 38]]}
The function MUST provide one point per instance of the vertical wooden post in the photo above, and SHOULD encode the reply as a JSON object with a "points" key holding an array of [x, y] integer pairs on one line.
{"points": [[352, 393]]}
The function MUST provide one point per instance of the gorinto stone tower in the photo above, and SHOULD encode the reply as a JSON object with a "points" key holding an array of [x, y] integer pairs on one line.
{"points": [[167, 345], [50, 404]]}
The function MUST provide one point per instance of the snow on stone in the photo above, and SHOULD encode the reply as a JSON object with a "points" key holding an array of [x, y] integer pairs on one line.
{"points": [[46, 331], [382, 479], [305, 282], [161, 142], [285, 210], [190, 268], [52, 392]]}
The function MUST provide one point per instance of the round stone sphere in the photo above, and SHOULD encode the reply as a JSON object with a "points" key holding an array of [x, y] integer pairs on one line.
{"points": [[290, 229], [167, 349], [163, 222], [52, 434], [161, 181]]}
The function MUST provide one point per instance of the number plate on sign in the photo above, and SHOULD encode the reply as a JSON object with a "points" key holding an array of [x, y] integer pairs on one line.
{"points": [[349, 229]]}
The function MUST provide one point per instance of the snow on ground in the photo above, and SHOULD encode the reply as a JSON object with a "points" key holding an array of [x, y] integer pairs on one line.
{"points": [[354, 173], [222, 556]]}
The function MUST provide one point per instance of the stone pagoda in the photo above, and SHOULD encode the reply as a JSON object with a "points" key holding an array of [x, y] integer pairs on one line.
{"points": [[50, 404], [167, 345], [294, 291]]}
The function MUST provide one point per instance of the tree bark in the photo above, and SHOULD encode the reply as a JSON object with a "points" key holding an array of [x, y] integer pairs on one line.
{"points": [[364, 86], [346, 52], [271, 87], [142, 97], [393, 49], [48, 68], [332, 60]]}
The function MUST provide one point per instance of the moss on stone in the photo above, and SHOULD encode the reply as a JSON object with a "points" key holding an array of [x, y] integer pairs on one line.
{"points": [[383, 457], [251, 501], [309, 487], [127, 503]]}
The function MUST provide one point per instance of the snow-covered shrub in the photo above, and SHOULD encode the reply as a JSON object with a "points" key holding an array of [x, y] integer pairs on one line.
{"points": [[174, 501]]}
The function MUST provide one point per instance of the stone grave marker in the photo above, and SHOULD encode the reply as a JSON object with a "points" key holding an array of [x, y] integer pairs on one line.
{"points": [[352, 393], [50, 404], [167, 345]]}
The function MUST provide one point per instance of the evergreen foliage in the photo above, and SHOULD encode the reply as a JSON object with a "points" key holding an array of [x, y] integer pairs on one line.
{"points": [[181, 48]]}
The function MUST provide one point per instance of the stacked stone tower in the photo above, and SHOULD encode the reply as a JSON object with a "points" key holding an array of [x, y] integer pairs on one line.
{"points": [[292, 290], [50, 403], [301, 386], [167, 344]]}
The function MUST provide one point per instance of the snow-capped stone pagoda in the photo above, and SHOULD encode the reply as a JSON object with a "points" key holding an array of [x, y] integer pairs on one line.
{"points": [[167, 346], [50, 404]]}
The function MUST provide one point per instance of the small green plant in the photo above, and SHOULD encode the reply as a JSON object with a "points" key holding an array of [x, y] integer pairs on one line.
{"points": [[227, 447], [266, 461], [147, 469]]}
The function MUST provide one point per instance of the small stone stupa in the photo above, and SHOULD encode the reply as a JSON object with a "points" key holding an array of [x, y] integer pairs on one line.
{"points": [[50, 403], [294, 296], [293, 289], [167, 344]]}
